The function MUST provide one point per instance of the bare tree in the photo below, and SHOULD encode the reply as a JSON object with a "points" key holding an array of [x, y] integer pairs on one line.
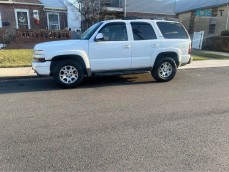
{"points": [[90, 10]]}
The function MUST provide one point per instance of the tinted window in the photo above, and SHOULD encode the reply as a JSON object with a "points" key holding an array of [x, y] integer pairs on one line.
{"points": [[114, 32], [143, 31], [172, 30], [88, 33]]}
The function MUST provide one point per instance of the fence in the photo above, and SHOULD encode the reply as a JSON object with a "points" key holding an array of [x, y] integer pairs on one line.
{"points": [[217, 43], [28, 38], [41, 35]]}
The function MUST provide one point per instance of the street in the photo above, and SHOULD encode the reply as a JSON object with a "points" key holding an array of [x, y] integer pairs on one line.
{"points": [[118, 123]]}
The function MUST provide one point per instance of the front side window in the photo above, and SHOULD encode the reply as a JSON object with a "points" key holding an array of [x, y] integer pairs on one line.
{"points": [[142, 31], [22, 19], [114, 32], [88, 33], [53, 21], [172, 30]]}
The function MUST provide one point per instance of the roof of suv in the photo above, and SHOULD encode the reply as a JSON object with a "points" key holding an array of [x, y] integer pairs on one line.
{"points": [[140, 20]]}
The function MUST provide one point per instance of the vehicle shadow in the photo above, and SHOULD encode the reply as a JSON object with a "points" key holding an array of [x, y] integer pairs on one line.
{"points": [[48, 84]]}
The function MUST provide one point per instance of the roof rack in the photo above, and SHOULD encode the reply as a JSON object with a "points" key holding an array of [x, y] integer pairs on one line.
{"points": [[159, 18]]}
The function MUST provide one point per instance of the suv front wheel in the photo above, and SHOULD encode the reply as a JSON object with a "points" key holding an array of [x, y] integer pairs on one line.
{"points": [[164, 70], [68, 74]]}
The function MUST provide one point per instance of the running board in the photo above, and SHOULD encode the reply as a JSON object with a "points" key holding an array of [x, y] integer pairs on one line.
{"points": [[112, 73]]}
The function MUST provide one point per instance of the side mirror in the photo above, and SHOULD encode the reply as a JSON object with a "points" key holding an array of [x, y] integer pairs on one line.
{"points": [[99, 37]]}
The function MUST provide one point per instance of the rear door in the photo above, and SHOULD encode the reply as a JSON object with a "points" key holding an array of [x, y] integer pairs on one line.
{"points": [[175, 36], [144, 44]]}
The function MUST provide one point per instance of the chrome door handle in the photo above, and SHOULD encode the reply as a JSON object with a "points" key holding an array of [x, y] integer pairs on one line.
{"points": [[127, 46]]}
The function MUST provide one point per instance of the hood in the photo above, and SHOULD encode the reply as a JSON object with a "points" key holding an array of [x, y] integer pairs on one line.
{"points": [[57, 45], [55, 48]]}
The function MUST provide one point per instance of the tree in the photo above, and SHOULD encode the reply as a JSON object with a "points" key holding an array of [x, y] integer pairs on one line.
{"points": [[90, 10]]}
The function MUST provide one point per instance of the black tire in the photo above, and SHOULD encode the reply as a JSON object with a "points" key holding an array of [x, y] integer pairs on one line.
{"points": [[73, 76], [164, 69]]}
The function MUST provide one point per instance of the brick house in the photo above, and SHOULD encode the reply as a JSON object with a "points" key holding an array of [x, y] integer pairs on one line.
{"points": [[212, 17], [27, 18], [32, 14]]}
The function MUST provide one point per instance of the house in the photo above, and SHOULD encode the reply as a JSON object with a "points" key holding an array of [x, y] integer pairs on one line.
{"points": [[20, 14], [30, 21], [212, 17], [150, 9], [33, 14], [55, 14], [73, 15]]}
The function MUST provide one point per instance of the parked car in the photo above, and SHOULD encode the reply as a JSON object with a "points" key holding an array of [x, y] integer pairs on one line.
{"points": [[116, 47]]}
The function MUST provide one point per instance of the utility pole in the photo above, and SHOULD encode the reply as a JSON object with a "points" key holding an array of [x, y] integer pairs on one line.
{"points": [[125, 8]]}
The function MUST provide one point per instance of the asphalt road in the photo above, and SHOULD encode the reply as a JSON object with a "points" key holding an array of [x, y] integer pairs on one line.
{"points": [[126, 123]]}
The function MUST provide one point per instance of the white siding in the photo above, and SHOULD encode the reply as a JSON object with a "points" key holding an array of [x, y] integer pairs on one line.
{"points": [[151, 6]]}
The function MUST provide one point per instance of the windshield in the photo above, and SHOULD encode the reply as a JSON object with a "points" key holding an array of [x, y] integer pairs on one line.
{"points": [[88, 33]]}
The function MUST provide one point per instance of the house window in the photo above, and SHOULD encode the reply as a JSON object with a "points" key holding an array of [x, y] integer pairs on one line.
{"points": [[53, 21], [212, 25], [22, 19], [0, 20]]}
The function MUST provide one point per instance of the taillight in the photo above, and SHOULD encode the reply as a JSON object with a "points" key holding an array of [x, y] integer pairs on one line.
{"points": [[190, 48]]}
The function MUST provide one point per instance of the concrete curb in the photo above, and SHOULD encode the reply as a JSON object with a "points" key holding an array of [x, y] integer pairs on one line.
{"points": [[17, 77], [28, 73]]}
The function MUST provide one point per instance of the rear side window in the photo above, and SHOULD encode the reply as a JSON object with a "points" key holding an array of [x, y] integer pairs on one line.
{"points": [[172, 30], [142, 31]]}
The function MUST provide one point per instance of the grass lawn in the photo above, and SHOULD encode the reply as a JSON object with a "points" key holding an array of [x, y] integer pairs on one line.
{"points": [[24, 57], [16, 57], [200, 55]]}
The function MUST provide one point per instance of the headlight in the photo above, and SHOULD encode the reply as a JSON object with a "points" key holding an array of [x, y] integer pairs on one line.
{"points": [[38, 52]]}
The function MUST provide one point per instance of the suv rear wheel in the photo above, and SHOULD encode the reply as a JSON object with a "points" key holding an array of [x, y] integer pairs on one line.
{"points": [[68, 74], [164, 70]]}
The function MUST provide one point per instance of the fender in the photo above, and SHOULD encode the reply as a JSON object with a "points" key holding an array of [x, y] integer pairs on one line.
{"points": [[165, 50], [51, 54]]}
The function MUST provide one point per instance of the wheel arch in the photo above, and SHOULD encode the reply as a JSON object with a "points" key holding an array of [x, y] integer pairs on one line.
{"points": [[76, 58], [171, 54]]}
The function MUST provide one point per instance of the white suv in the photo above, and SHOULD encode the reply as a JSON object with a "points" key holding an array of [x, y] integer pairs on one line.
{"points": [[116, 47]]}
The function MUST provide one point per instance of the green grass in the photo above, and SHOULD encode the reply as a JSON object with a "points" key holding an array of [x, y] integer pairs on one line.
{"points": [[200, 55], [195, 58], [24, 57], [16, 58]]}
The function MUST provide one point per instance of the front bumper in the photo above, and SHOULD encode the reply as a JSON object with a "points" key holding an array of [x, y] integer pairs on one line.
{"points": [[41, 68]]}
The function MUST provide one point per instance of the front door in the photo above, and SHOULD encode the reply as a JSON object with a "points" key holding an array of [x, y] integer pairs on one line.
{"points": [[114, 51]]}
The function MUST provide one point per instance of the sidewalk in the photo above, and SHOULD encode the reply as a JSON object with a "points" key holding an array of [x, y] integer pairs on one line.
{"points": [[16, 72], [206, 64], [7, 73]]}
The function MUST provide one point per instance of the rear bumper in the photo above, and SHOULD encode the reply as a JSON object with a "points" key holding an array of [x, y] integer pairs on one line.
{"points": [[186, 59], [41, 68]]}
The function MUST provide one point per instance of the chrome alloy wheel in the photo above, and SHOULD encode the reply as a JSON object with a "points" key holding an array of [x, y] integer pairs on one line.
{"points": [[68, 74], [165, 70]]}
